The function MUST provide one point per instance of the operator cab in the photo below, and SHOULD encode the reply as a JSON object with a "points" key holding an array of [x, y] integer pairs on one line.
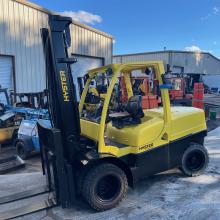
{"points": [[120, 113], [123, 114]]}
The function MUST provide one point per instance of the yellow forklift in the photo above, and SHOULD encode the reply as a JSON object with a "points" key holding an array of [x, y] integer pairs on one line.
{"points": [[98, 156], [131, 143]]}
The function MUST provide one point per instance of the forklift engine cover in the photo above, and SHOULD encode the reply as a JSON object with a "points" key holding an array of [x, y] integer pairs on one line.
{"points": [[152, 124]]}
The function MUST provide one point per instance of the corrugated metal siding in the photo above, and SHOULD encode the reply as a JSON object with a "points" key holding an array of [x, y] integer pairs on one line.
{"points": [[20, 32], [20, 37], [88, 43], [202, 63], [196, 62], [141, 57]]}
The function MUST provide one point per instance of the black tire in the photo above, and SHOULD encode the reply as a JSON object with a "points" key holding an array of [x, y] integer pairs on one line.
{"points": [[80, 178], [104, 186], [195, 160], [21, 150]]}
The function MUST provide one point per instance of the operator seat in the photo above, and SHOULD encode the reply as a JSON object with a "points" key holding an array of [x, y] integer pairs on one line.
{"points": [[132, 114]]}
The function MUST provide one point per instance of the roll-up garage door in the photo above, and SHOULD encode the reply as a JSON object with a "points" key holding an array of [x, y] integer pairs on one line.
{"points": [[6, 74], [81, 67]]}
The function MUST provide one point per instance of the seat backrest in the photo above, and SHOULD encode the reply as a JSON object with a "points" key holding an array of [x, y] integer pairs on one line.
{"points": [[134, 107]]}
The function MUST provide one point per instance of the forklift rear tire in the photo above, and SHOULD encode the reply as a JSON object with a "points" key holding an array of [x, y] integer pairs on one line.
{"points": [[21, 151], [195, 160], [104, 186]]}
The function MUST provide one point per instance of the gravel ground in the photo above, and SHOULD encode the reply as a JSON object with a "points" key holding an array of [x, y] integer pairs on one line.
{"points": [[167, 195], [213, 124], [32, 164]]}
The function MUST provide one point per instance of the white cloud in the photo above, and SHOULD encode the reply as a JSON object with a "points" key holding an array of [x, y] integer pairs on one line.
{"points": [[83, 16], [215, 10], [197, 53], [205, 17], [193, 48], [197, 49]]}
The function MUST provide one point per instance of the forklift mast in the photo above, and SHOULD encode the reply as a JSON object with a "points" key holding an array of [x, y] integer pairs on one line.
{"points": [[63, 105], [60, 144]]}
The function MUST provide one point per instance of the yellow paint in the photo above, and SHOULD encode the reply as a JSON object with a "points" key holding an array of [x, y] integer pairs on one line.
{"points": [[142, 88], [89, 129], [138, 135], [6, 134], [64, 86], [102, 96], [94, 91], [128, 85]]}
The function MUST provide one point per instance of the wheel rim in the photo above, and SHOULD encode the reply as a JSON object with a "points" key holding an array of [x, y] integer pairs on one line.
{"points": [[195, 160], [108, 188]]}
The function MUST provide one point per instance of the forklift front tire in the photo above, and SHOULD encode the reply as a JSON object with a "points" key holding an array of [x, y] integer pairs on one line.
{"points": [[195, 160], [104, 186], [21, 151]]}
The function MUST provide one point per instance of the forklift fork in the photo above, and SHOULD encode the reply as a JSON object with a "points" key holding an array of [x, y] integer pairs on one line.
{"points": [[49, 165], [58, 171]]}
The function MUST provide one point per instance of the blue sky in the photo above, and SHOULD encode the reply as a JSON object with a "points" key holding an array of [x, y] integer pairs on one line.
{"points": [[149, 25]]}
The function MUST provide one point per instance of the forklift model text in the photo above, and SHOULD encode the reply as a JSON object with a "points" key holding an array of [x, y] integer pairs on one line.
{"points": [[146, 147], [64, 86]]}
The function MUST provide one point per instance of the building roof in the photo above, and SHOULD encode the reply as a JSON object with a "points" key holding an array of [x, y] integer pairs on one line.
{"points": [[167, 51], [39, 8]]}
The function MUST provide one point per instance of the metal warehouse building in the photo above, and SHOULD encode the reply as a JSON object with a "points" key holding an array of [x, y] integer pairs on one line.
{"points": [[181, 62], [22, 65]]}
